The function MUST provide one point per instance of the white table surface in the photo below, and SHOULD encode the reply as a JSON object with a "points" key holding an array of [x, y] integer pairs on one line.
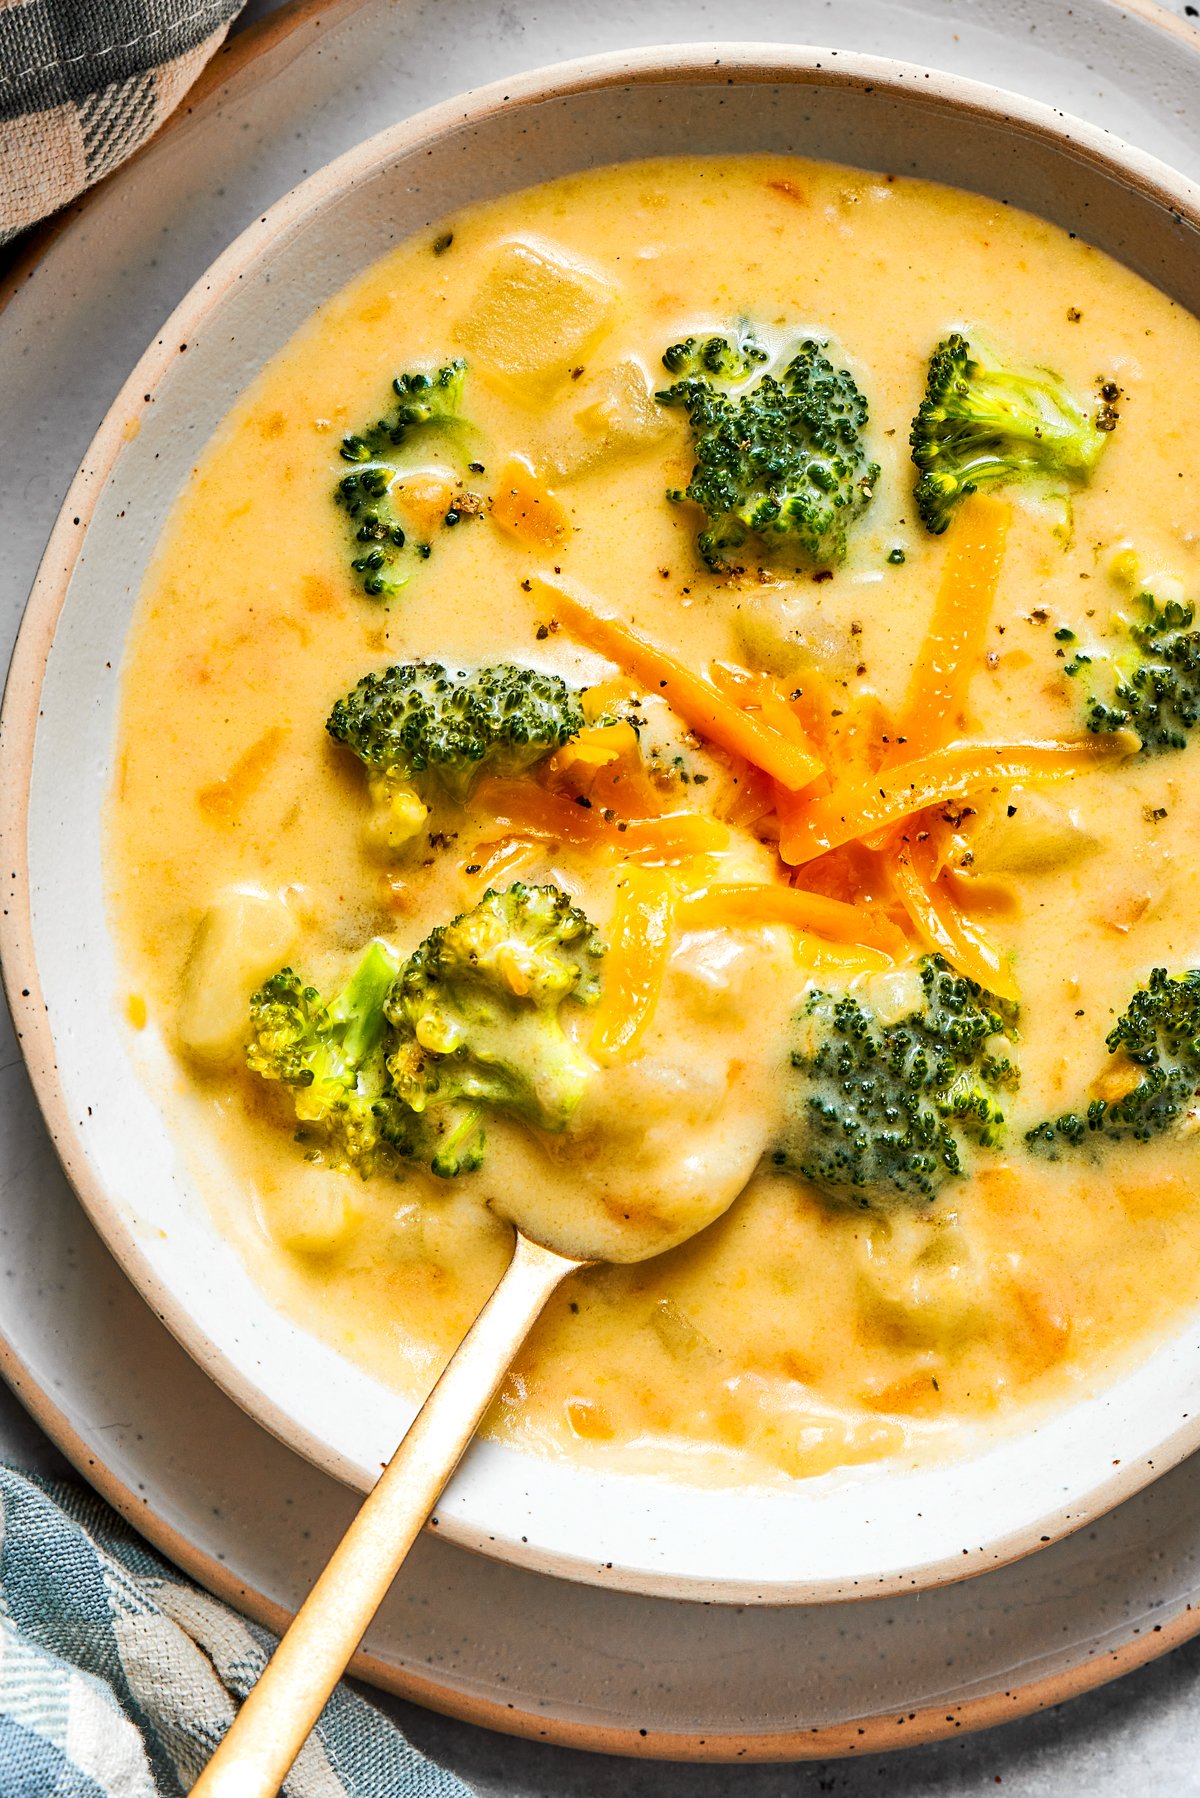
{"points": [[1139, 1735]]}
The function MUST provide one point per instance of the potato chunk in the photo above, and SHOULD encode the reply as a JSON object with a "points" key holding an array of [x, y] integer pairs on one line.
{"points": [[533, 316], [922, 1287], [243, 936], [312, 1210], [1027, 832], [785, 632], [612, 414]]}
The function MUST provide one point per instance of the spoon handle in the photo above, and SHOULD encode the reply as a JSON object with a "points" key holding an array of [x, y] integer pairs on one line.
{"points": [[277, 1715]]}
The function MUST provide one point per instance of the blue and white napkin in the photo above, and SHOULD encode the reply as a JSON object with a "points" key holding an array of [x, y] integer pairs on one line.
{"points": [[118, 1676]]}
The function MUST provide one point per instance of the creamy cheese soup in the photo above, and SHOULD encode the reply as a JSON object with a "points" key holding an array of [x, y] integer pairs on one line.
{"points": [[827, 1316]]}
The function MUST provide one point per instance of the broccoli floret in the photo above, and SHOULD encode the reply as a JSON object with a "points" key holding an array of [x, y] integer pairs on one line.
{"points": [[715, 358], [1151, 685], [366, 495], [881, 1112], [418, 727], [779, 456], [475, 1012], [407, 1060], [979, 425], [1158, 1037], [331, 1054]]}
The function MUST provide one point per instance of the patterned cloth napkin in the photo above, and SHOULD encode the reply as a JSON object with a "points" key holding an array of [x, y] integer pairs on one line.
{"points": [[83, 83], [118, 1677]]}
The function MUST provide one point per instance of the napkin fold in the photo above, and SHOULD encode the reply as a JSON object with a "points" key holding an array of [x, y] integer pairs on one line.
{"points": [[118, 1676], [83, 83]]}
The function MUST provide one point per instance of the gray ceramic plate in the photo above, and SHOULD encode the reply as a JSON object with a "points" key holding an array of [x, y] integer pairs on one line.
{"points": [[552, 1659], [107, 1096]]}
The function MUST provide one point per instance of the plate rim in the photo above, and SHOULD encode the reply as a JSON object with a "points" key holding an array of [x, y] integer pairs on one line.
{"points": [[240, 50], [707, 63], [237, 55], [870, 1733]]}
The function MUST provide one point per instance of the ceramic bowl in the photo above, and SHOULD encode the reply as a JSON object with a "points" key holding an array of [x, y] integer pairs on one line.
{"points": [[107, 1095]]}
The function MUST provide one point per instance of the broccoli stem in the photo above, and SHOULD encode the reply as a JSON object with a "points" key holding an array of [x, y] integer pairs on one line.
{"points": [[356, 1015], [457, 1153]]}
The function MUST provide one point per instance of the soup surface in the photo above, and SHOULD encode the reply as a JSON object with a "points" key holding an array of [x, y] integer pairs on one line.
{"points": [[826, 1317]]}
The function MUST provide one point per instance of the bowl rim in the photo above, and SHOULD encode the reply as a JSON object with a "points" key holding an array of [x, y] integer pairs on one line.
{"points": [[698, 64]]}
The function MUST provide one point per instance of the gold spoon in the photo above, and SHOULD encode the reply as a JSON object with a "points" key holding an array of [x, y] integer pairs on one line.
{"points": [[278, 1714]]}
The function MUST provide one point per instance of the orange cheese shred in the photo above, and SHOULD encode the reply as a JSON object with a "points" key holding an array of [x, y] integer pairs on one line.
{"points": [[604, 763], [595, 746], [525, 809], [677, 837], [753, 798], [814, 702], [811, 913], [639, 946], [763, 694], [710, 713], [943, 926], [874, 802], [934, 710]]}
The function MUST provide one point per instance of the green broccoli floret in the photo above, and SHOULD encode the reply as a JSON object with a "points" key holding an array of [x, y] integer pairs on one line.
{"points": [[1158, 1036], [331, 1054], [407, 1060], [715, 358], [881, 1112], [1152, 684], [419, 727], [475, 1012], [419, 719], [366, 495], [779, 455], [978, 426]]}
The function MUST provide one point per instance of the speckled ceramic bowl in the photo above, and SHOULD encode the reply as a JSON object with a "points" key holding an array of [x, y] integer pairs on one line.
{"points": [[109, 1097]]}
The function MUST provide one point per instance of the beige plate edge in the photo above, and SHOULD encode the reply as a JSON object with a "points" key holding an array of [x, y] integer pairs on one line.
{"points": [[871, 1733], [868, 1734]]}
